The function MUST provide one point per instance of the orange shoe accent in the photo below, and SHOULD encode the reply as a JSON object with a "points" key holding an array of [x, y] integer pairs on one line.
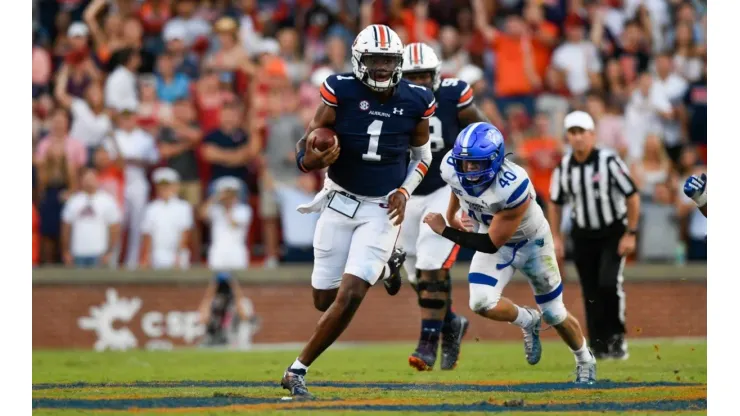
{"points": [[419, 364]]}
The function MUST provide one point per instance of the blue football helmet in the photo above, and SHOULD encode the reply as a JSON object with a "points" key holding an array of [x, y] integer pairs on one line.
{"points": [[479, 144]]}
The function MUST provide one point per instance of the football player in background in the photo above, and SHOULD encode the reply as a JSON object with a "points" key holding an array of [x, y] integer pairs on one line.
{"points": [[377, 117], [430, 256], [498, 195]]}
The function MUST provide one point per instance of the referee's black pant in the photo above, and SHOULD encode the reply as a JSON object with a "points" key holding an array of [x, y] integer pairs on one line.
{"points": [[600, 272]]}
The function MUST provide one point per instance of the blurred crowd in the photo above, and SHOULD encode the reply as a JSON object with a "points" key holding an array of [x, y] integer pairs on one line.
{"points": [[164, 130]]}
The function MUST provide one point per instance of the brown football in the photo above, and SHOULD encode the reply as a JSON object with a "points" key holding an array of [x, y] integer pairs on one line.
{"points": [[322, 138]]}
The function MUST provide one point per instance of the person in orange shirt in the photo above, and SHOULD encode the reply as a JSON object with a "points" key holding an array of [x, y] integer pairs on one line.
{"points": [[418, 25], [544, 36], [516, 79], [540, 153]]}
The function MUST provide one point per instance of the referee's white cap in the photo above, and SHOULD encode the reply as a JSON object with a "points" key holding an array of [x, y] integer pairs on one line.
{"points": [[579, 119]]}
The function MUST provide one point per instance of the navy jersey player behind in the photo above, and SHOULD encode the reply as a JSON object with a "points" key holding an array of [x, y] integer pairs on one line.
{"points": [[431, 256], [378, 117]]}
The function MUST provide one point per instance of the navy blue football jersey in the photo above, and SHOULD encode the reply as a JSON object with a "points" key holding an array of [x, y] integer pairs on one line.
{"points": [[374, 136], [452, 96]]}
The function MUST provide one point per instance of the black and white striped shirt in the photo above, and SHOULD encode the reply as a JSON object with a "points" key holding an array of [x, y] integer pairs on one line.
{"points": [[597, 189]]}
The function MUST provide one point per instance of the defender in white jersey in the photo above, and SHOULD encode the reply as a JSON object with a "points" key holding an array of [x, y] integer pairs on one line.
{"points": [[498, 195], [430, 256]]}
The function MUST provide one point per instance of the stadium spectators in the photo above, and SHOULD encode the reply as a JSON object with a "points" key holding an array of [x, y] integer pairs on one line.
{"points": [[57, 164], [228, 149], [675, 88], [285, 129], [91, 224], [152, 113], [653, 169], [166, 225], [172, 85], [646, 110], [90, 121], [639, 67], [120, 87], [230, 221], [609, 123], [577, 57], [134, 149]]}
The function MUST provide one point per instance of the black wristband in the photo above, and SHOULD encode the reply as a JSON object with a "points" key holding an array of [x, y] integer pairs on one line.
{"points": [[473, 241], [299, 160]]}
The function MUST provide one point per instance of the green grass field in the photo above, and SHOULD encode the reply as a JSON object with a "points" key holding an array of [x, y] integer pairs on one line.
{"points": [[666, 377]]}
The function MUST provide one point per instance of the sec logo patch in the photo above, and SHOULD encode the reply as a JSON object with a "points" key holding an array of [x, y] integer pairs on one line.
{"points": [[364, 105]]}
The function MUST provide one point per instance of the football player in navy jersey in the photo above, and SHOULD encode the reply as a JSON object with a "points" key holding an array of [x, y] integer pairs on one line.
{"points": [[378, 117], [431, 256]]}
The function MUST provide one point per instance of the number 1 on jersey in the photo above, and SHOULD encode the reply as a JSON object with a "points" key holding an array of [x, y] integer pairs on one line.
{"points": [[374, 131]]}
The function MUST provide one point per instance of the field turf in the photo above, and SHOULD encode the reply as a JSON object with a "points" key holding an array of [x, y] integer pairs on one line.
{"points": [[661, 377]]}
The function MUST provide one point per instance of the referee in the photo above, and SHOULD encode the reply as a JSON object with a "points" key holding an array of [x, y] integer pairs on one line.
{"points": [[605, 209]]}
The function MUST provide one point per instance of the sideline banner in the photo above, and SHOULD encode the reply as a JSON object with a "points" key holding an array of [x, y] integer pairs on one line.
{"points": [[123, 316]]}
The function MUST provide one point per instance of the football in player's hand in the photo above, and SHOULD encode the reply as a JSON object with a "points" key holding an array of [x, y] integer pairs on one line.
{"points": [[322, 138]]}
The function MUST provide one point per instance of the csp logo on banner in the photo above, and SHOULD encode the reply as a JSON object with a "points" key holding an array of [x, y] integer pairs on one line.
{"points": [[111, 322], [101, 321]]}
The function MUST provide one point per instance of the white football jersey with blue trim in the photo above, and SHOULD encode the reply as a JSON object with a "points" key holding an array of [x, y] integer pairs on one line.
{"points": [[510, 188]]}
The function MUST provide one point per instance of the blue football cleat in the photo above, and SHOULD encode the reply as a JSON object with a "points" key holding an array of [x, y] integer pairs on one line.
{"points": [[532, 344], [586, 373]]}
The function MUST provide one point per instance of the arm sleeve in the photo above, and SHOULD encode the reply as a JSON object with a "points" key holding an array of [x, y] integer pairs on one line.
{"points": [[421, 158], [474, 241]]}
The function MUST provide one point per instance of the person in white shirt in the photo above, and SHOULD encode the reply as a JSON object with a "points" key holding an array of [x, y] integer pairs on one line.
{"points": [[90, 122], [120, 87], [136, 150], [90, 225], [230, 221], [168, 221], [647, 109], [578, 58], [674, 87], [194, 27]]}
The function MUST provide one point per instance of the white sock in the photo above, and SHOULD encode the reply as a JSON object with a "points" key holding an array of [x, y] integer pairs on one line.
{"points": [[523, 318], [297, 365], [583, 355]]}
